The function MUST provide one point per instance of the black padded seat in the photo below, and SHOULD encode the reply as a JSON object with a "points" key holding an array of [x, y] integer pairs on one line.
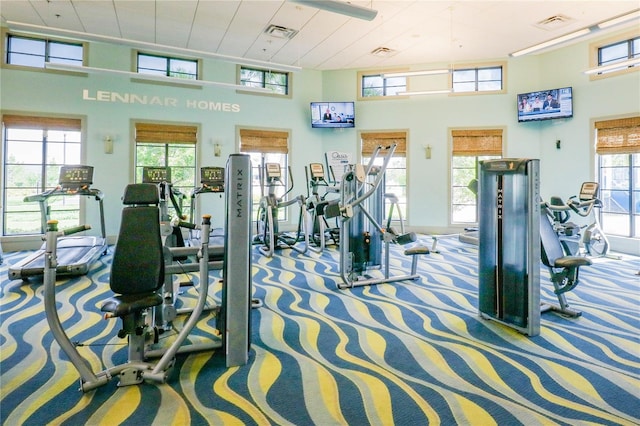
{"points": [[564, 270], [137, 269]]}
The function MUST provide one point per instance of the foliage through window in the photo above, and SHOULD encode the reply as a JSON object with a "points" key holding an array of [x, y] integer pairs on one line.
{"points": [[35, 52], [266, 146], [377, 85], [618, 159], [166, 66], [35, 148], [618, 52], [395, 178], [172, 147], [487, 79], [277, 82], [469, 148]]}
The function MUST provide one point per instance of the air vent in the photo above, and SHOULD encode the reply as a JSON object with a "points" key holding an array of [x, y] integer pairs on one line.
{"points": [[383, 52], [554, 22], [280, 32]]}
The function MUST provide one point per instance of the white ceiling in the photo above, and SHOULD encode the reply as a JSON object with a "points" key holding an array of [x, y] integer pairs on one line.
{"points": [[421, 32]]}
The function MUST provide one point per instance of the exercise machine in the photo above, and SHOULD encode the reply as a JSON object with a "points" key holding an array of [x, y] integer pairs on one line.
{"points": [[211, 182], [316, 204], [137, 276], [161, 176], [563, 270], [362, 231], [269, 235], [509, 243], [76, 254], [588, 239]]}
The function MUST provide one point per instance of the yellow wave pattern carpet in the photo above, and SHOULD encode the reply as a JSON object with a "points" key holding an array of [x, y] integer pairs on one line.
{"points": [[407, 353]]}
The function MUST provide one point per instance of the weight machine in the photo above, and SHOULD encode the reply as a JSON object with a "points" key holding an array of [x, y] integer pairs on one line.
{"points": [[137, 276], [268, 227], [362, 233]]}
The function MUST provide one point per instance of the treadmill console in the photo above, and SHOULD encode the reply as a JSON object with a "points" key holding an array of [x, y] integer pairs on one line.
{"points": [[588, 191], [73, 178], [212, 179], [156, 174]]}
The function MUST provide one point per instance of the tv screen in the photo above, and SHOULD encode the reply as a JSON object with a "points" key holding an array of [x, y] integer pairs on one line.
{"points": [[545, 104], [333, 114]]}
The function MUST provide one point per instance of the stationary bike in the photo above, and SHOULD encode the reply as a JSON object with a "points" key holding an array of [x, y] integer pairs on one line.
{"points": [[587, 239]]}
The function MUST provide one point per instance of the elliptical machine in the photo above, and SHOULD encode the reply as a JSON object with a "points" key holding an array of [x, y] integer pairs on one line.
{"points": [[269, 235], [320, 232], [588, 239]]}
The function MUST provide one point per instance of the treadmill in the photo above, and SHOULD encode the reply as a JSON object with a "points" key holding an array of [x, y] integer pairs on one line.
{"points": [[212, 182], [75, 253]]}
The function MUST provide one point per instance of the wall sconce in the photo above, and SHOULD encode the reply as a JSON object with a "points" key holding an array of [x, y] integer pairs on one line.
{"points": [[217, 150], [427, 152], [108, 144]]}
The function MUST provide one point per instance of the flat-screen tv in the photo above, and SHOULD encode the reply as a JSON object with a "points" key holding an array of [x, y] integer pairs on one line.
{"points": [[333, 114], [545, 104]]}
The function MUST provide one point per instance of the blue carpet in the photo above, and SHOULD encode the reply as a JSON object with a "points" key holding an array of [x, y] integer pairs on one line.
{"points": [[407, 353]]}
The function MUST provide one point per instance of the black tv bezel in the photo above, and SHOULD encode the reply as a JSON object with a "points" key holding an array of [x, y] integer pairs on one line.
{"points": [[333, 125], [545, 118]]}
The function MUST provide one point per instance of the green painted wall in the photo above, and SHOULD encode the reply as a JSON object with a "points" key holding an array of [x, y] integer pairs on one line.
{"points": [[428, 120]]}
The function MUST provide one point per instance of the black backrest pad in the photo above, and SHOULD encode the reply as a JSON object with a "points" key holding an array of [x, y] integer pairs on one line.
{"points": [[550, 243], [141, 193], [138, 263]]}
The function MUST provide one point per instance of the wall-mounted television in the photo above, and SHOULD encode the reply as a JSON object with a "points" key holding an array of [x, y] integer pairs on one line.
{"points": [[333, 114], [545, 104]]}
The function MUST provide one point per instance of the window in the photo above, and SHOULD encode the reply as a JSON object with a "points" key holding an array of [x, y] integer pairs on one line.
{"points": [[172, 146], [618, 159], [35, 52], [470, 147], [614, 50], [166, 66], [376, 85], [265, 146], [35, 148], [487, 79], [277, 82], [395, 179]]}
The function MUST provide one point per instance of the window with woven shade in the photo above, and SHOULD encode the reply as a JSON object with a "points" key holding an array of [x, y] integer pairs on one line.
{"points": [[266, 146], [468, 148], [395, 181], [617, 145], [171, 146], [35, 148]]}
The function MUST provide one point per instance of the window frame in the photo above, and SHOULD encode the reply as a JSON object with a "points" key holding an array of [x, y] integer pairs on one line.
{"points": [[485, 155], [259, 159], [168, 59], [595, 50], [6, 35], [476, 68], [376, 73], [289, 86], [186, 188], [403, 197], [75, 205]]}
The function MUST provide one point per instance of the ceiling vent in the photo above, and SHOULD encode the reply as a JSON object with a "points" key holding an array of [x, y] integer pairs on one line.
{"points": [[383, 52], [554, 22], [280, 32]]}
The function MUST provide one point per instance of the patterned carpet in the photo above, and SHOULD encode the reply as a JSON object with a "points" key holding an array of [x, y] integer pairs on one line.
{"points": [[408, 353]]}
